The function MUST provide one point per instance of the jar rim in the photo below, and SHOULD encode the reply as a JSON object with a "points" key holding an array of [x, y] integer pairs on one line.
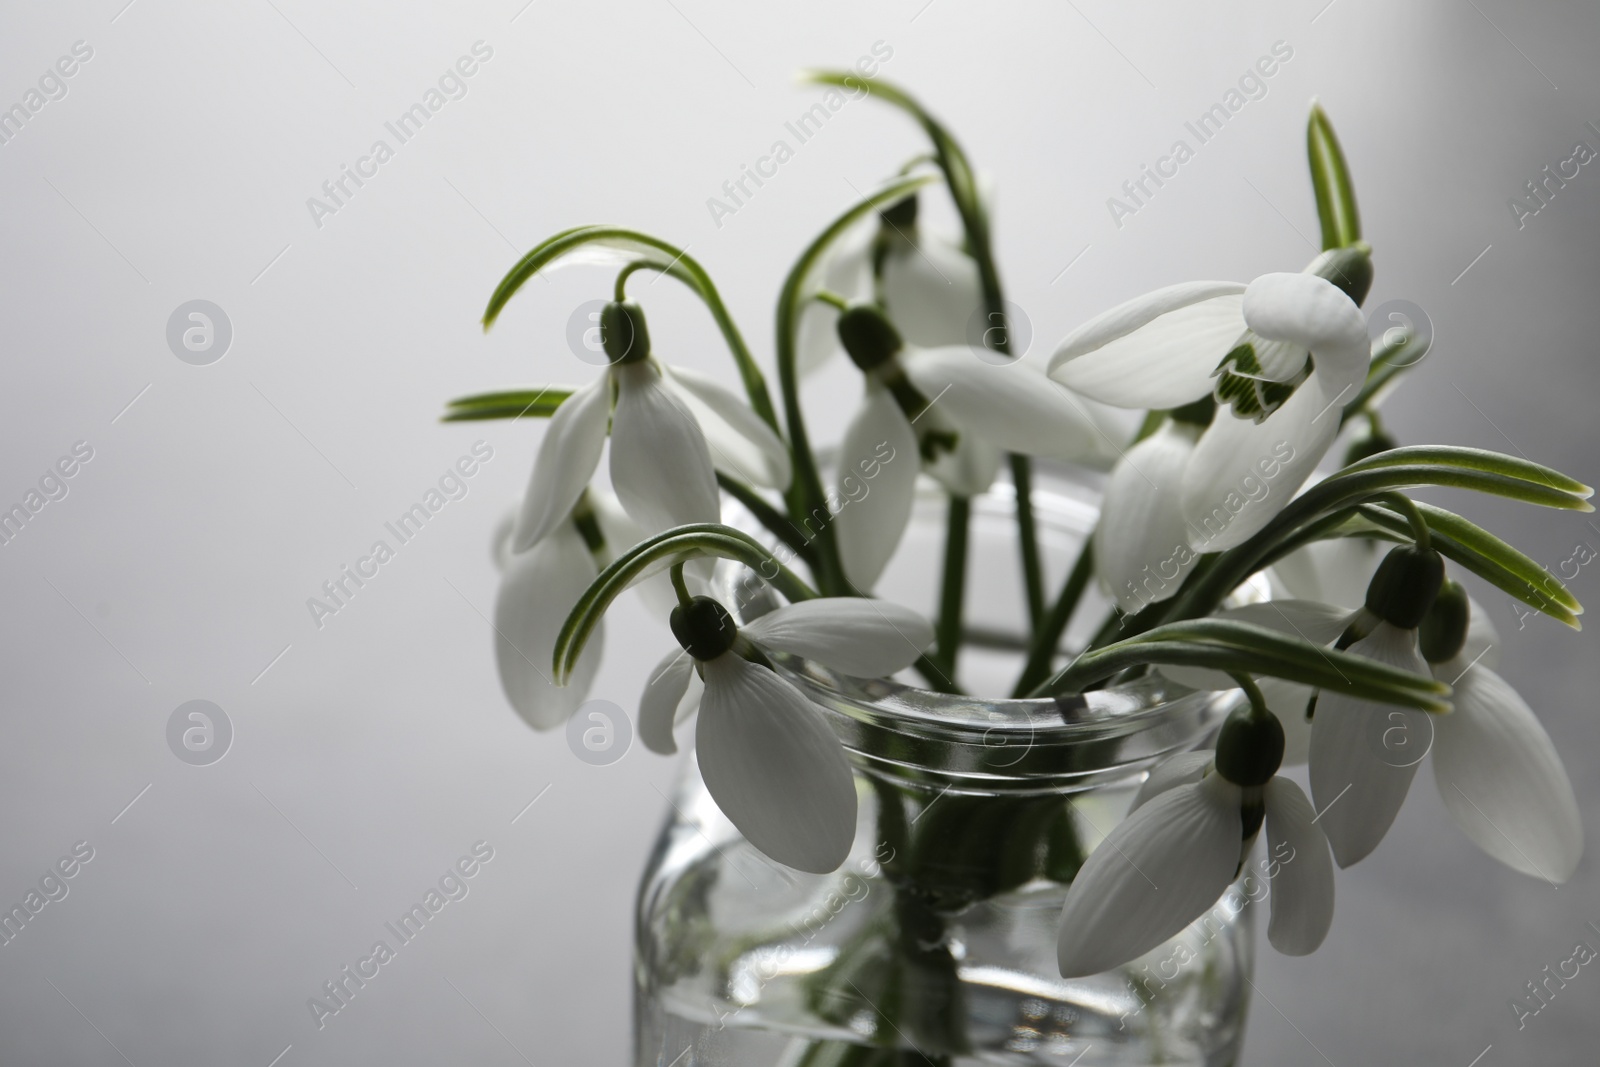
{"points": [[994, 742]]}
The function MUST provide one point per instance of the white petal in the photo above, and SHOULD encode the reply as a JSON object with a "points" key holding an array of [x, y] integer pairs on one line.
{"points": [[1011, 404], [741, 443], [1154, 874], [538, 589], [1278, 361], [1288, 701], [1185, 768], [1333, 571], [1364, 754], [1302, 889], [1141, 550], [1155, 351], [1483, 640], [932, 291], [1501, 778], [500, 539], [660, 465], [567, 458], [658, 705], [774, 767], [852, 635], [847, 270], [1313, 313], [971, 467], [879, 441], [1242, 473], [1321, 624]]}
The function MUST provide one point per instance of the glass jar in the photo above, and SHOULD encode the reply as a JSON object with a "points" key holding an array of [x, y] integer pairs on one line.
{"points": [[935, 941]]}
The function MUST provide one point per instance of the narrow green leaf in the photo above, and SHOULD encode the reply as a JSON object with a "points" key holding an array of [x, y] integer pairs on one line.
{"points": [[1330, 178], [675, 545], [1476, 459], [1233, 646], [539, 403]]}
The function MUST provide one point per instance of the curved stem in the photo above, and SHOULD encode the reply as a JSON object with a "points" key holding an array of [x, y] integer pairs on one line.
{"points": [[806, 497], [769, 516], [674, 261], [1407, 507]]}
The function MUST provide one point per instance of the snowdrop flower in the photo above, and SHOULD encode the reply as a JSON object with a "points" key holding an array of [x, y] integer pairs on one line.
{"points": [[670, 429], [1496, 768], [1185, 842], [538, 588], [928, 285], [1141, 546], [1280, 356], [769, 759], [1363, 753], [919, 404]]}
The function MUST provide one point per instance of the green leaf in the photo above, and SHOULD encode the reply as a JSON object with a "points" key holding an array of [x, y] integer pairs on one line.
{"points": [[536, 403], [1330, 178], [1454, 457], [675, 545], [1229, 645], [1490, 558]]}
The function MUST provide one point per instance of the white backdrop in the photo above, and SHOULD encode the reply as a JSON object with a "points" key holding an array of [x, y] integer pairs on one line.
{"points": [[372, 752]]}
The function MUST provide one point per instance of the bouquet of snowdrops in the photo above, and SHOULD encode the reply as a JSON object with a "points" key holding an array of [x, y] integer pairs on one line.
{"points": [[1244, 386]]}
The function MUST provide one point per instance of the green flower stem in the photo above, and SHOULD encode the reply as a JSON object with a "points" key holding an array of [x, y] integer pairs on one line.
{"points": [[661, 256], [934, 673], [679, 586], [1407, 507], [806, 498], [1028, 537], [680, 543], [1047, 635], [769, 516], [958, 521]]}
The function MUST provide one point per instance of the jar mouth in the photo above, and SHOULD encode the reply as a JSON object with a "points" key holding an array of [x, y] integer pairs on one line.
{"points": [[974, 743], [1012, 745]]}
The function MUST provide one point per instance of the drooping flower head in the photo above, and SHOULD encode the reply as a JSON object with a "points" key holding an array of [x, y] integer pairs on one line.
{"points": [[920, 405], [1279, 357], [769, 759], [1191, 830], [671, 429]]}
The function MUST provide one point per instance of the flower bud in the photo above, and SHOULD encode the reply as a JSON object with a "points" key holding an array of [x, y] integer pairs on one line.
{"points": [[703, 627], [868, 336], [1405, 586], [1444, 632], [623, 332]]}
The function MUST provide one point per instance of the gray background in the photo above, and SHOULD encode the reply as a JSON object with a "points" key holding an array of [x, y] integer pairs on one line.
{"points": [[370, 753]]}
